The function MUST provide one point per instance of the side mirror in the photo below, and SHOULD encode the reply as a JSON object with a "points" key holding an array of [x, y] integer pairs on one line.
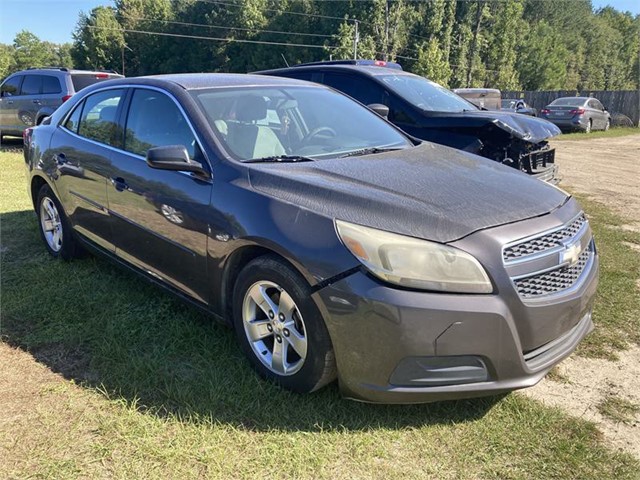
{"points": [[173, 157], [46, 120], [380, 109]]}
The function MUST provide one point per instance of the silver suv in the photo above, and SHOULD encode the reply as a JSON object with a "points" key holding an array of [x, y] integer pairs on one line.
{"points": [[28, 96]]}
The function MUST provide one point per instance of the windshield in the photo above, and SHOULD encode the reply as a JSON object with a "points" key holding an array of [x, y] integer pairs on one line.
{"points": [[569, 102], [426, 94], [262, 122]]}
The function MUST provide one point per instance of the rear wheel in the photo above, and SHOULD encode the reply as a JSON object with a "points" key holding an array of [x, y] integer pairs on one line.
{"points": [[55, 228], [279, 327]]}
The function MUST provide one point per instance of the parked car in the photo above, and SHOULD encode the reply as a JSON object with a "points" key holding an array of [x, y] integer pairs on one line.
{"points": [[334, 244], [28, 96], [431, 112], [577, 113], [483, 98], [518, 105]]}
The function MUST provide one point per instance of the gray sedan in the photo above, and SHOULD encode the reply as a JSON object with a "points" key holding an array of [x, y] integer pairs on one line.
{"points": [[577, 113]]}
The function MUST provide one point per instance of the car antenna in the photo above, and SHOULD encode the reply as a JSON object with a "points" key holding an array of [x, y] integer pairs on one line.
{"points": [[285, 60]]}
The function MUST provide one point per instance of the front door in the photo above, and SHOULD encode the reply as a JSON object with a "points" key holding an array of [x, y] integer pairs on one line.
{"points": [[9, 94], [160, 216]]}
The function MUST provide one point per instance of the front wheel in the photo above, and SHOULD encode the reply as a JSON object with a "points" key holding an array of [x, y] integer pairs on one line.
{"points": [[55, 228], [279, 327]]}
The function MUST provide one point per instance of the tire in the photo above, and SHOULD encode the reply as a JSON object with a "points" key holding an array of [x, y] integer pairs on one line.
{"points": [[54, 226], [589, 125], [297, 334]]}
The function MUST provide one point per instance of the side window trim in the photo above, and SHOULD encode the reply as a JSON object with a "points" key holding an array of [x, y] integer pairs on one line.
{"points": [[125, 117], [128, 88]]}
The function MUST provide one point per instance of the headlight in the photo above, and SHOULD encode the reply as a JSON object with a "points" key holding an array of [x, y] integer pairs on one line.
{"points": [[412, 262]]}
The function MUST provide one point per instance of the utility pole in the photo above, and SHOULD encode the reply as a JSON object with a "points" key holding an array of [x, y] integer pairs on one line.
{"points": [[356, 38]]}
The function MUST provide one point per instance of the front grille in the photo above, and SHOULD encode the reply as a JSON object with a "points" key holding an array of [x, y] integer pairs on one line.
{"points": [[545, 242], [533, 161], [553, 281]]}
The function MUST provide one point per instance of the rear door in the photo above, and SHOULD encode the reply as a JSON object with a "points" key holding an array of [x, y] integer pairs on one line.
{"points": [[9, 93], [160, 216], [598, 113], [51, 92], [83, 146], [29, 101]]}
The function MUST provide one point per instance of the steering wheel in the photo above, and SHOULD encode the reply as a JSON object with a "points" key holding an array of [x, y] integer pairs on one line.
{"points": [[317, 131]]}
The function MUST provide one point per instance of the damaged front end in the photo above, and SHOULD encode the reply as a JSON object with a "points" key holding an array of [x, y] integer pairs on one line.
{"points": [[519, 143]]}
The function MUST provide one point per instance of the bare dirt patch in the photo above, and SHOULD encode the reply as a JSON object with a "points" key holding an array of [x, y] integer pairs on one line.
{"points": [[591, 382], [605, 169], [608, 171]]}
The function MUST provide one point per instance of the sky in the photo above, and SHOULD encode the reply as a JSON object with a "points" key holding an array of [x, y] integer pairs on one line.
{"points": [[55, 20]]}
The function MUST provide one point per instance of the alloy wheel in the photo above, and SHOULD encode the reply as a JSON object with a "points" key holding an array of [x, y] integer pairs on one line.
{"points": [[274, 328], [51, 224]]}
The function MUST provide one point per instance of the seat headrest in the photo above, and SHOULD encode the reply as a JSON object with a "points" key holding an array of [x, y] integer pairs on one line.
{"points": [[108, 113], [251, 108]]}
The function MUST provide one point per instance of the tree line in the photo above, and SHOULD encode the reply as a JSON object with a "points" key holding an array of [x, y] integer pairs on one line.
{"points": [[506, 44]]}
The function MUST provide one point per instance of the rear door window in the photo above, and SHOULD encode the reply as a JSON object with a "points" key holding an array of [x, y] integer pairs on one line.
{"points": [[51, 85], [31, 85], [99, 117], [11, 87]]}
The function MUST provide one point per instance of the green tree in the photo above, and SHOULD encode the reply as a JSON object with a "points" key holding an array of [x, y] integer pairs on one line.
{"points": [[98, 40], [7, 62], [542, 60]]}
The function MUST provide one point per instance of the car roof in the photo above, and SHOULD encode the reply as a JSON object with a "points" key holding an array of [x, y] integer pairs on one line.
{"points": [[575, 98], [194, 81], [371, 70]]}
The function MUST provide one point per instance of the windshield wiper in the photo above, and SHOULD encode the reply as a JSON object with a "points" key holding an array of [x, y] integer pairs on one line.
{"points": [[369, 151], [280, 159]]}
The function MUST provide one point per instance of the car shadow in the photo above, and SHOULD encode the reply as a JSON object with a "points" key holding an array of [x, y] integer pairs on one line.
{"points": [[106, 329], [11, 144]]}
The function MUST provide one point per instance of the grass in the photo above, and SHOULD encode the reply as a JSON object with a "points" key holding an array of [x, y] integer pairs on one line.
{"points": [[617, 307], [620, 409], [611, 133], [154, 389]]}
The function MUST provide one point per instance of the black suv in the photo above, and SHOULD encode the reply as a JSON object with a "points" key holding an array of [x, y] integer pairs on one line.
{"points": [[431, 112], [28, 96]]}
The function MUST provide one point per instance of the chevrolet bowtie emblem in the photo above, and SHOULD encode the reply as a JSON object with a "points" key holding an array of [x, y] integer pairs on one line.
{"points": [[571, 254]]}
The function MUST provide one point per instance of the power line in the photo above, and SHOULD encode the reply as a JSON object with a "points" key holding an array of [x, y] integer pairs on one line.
{"points": [[204, 25], [314, 15], [198, 37]]}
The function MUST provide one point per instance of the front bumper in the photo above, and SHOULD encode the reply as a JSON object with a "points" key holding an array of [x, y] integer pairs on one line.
{"points": [[387, 340]]}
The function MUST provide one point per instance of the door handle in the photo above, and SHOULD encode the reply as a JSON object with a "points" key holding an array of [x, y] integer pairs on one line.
{"points": [[60, 159], [119, 184], [9, 102], [37, 102]]}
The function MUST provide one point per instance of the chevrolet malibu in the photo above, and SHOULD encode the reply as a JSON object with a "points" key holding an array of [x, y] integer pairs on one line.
{"points": [[332, 243]]}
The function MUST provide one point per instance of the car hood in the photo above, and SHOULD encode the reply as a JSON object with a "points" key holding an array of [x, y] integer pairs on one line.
{"points": [[530, 129], [430, 191]]}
